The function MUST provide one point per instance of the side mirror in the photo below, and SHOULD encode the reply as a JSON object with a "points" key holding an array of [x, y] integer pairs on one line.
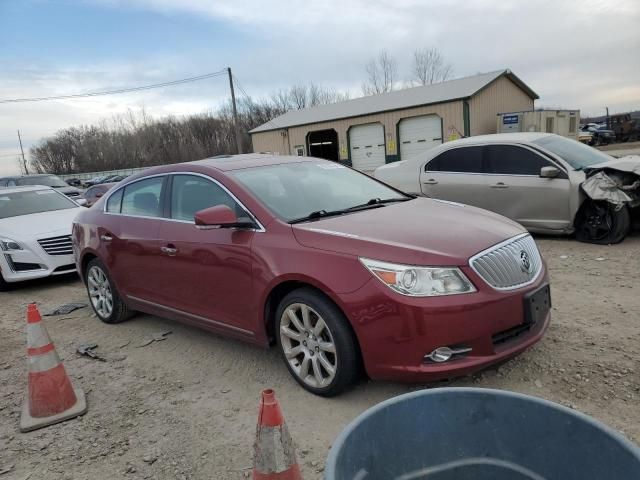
{"points": [[220, 216], [549, 172], [99, 194]]}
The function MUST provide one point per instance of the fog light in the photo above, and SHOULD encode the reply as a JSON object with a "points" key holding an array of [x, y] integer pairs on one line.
{"points": [[444, 354]]}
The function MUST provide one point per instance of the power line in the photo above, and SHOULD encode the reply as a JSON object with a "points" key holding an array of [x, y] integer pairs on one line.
{"points": [[113, 92]]}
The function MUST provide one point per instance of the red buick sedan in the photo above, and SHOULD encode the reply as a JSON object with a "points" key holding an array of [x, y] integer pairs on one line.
{"points": [[337, 269]]}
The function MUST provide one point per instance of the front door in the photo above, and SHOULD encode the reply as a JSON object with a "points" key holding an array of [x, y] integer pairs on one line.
{"points": [[516, 190], [207, 273]]}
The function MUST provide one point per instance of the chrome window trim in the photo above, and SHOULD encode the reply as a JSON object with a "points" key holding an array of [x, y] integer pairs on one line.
{"points": [[191, 315], [554, 159], [260, 228], [497, 247]]}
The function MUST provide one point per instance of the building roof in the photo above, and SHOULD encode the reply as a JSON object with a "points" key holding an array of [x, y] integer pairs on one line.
{"points": [[410, 97]]}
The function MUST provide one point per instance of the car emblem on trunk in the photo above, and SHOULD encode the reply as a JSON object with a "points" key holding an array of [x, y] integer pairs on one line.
{"points": [[525, 261]]}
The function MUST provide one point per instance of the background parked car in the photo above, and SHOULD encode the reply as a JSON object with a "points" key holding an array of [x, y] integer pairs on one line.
{"points": [[74, 182], [46, 180], [35, 233], [532, 178], [92, 194], [94, 181], [600, 135]]}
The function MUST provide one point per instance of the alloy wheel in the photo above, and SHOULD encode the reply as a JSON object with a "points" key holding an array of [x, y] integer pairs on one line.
{"points": [[100, 292], [308, 345]]}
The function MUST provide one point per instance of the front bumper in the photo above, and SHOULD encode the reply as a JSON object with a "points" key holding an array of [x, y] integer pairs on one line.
{"points": [[33, 262], [396, 332]]}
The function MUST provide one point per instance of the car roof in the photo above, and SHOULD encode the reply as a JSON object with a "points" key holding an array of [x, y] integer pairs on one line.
{"points": [[25, 188], [228, 163], [516, 137]]}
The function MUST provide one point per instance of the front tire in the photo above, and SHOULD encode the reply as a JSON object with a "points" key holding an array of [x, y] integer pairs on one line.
{"points": [[103, 295], [4, 286], [317, 343], [597, 221]]}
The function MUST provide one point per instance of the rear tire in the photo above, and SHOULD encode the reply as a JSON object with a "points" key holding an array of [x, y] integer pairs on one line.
{"points": [[316, 343], [597, 221], [103, 295]]}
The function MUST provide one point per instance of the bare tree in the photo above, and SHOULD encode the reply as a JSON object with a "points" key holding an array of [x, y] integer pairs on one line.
{"points": [[381, 73], [429, 66]]}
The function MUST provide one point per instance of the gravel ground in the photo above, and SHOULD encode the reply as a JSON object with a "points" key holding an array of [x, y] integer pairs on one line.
{"points": [[186, 407]]}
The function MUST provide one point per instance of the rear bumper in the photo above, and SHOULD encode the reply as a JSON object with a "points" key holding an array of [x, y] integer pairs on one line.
{"points": [[396, 332]]}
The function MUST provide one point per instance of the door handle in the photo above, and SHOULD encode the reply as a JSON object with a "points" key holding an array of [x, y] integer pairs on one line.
{"points": [[499, 185], [431, 181], [106, 237], [169, 250]]}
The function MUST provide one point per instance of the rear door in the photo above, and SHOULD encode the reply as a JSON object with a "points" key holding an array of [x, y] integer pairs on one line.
{"points": [[129, 237], [456, 175], [516, 190]]}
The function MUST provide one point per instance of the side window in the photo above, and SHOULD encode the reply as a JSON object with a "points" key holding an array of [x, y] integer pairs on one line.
{"points": [[115, 202], [142, 198], [191, 193], [11, 183], [511, 160], [461, 160]]}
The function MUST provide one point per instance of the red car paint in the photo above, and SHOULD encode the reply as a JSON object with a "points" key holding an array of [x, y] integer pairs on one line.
{"points": [[222, 279]]}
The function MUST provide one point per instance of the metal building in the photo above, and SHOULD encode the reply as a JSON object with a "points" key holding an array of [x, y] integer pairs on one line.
{"points": [[369, 131]]}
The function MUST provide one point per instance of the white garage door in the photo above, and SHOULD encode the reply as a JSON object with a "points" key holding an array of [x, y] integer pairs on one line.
{"points": [[419, 134], [367, 146]]}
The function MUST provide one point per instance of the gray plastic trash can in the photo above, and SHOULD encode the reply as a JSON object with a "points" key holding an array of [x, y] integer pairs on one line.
{"points": [[478, 434]]}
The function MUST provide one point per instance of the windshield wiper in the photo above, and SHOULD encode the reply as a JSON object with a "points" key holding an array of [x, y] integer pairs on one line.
{"points": [[372, 203]]}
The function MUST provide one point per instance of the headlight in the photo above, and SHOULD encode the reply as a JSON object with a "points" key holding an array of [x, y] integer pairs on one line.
{"points": [[8, 245], [420, 281]]}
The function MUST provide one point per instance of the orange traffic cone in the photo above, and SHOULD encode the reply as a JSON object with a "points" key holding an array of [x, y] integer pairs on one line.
{"points": [[274, 453], [51, 398]]}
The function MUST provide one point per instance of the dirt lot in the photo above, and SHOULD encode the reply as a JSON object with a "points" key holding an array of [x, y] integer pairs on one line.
{"points": [[186, 407]]}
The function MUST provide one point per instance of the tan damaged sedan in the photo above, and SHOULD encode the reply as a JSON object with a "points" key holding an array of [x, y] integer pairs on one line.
{"points": [[532, 178]]}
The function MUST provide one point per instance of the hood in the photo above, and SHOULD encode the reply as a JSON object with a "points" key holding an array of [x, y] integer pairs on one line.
{"points": [[629, 164], [421, 231], [39, 225]]}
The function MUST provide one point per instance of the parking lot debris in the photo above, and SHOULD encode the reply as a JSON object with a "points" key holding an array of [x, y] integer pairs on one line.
{"points": [[65, 309], [274, 451], [154, 337], [51, 398], [6, 469], [89, 350]]}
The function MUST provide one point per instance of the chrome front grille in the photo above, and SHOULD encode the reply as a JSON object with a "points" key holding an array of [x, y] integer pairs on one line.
{"points": [[57, 245], [509, 265]]}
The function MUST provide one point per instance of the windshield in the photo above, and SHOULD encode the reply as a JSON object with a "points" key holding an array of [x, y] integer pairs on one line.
{"points": [[45, 180], [576, 154], [296, 190], [25, 203]]}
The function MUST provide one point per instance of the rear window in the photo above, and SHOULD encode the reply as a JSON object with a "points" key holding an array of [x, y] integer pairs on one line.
{"points": [[25, 203], [462, 160]]}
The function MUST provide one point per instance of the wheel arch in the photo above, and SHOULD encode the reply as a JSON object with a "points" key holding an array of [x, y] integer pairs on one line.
{"points": [[282, 287]]}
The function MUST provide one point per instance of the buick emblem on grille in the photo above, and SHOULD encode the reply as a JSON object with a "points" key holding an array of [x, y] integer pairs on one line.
{"points": [[525, 261]]}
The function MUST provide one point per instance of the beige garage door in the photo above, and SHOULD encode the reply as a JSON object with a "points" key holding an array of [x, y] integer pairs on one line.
{"points": [[367, 146], [419, 134]]}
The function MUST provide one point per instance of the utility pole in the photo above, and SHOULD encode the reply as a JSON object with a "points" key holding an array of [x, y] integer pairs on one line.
{"points": [[608, 120], [235, 112], [24, 160]]}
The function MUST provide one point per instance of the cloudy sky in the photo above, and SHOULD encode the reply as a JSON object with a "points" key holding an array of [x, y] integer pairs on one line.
{"points": [[575, 54]]}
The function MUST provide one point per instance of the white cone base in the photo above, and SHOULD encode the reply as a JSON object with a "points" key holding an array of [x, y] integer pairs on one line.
{"points": [[29, 423]]}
